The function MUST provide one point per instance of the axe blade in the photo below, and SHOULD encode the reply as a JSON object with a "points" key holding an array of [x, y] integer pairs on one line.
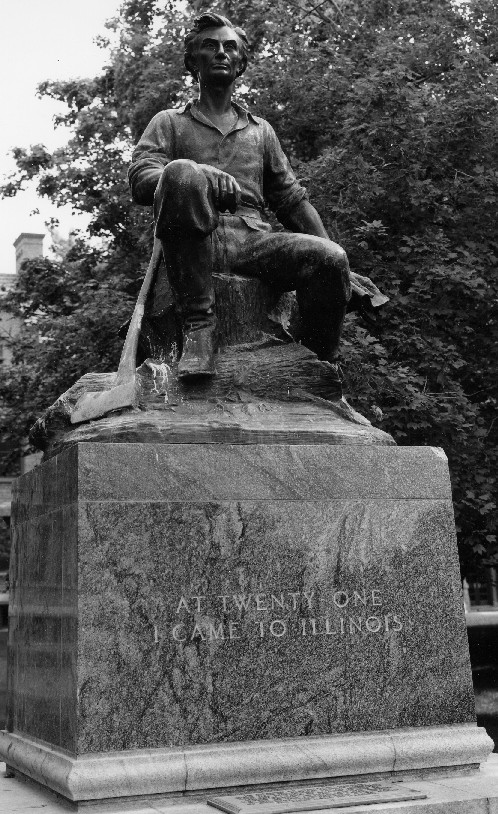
{"points": [[97, 404]]}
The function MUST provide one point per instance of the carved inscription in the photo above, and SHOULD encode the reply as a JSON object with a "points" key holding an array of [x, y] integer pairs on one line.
{"points": [[278, 614], [310, 793]]}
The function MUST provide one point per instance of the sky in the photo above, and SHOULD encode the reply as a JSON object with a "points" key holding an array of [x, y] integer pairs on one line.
{"points": [[41, 39]]}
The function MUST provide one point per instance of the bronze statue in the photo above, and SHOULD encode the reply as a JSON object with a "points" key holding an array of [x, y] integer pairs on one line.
{"points": [[208, 169]]}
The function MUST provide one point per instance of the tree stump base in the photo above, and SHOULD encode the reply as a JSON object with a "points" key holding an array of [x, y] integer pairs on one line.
{"points": [[267, 387], [246, 311]]}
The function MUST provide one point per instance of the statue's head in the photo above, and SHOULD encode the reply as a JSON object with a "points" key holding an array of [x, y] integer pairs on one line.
{"points": [[195, 37]]}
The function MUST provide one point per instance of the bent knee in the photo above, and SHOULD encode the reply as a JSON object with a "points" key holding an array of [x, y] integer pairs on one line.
{"points": [[181, 170], [335, 254], [182, 201], [323, 251], [182, 182], [334, 266]]}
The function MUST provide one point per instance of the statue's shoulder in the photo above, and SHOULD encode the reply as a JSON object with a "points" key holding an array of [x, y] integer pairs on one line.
{"points": [[177, 111], [170, 114], [242, 108], [263, 123], [166, 122], [257, 119]]}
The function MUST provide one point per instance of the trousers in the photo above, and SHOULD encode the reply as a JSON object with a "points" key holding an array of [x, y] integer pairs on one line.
{"points": [[198, 240]]}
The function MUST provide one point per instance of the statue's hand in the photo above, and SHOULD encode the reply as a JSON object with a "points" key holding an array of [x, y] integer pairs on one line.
{"points": [[226, 191]]}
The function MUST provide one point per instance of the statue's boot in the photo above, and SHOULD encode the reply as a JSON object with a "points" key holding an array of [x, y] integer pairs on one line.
{"points": [[189, 263], [185, 220], [198, 353]]}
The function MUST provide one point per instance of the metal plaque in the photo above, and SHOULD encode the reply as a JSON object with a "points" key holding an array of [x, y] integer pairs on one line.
{"points": [[309, 798]]}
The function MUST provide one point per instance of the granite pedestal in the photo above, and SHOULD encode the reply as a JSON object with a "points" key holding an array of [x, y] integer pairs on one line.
{"points": [[203, 616]]}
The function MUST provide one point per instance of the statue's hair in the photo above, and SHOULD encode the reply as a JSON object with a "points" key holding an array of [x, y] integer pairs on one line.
{"points": [[212, 20]]}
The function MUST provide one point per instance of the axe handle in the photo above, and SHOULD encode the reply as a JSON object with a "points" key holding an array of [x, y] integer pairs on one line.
{"points": [[127, 363]]}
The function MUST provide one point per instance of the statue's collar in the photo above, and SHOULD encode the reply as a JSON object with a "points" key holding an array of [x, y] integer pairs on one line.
{"points": [[244, 114]]}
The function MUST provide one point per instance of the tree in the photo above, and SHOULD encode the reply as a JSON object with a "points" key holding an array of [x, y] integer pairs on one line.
{"points": [[4, 545], [388, 112]]}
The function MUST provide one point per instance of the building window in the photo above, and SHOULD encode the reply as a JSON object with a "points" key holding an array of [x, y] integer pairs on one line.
{"points": [[485, 592]]}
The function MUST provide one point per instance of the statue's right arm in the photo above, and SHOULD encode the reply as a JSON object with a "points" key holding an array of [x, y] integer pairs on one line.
{"points": [[152, 153]]}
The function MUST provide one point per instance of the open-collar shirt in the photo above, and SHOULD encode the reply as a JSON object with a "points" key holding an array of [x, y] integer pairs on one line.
{"points": [[250, 151]]}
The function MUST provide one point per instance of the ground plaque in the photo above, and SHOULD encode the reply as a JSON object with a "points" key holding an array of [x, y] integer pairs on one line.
{"points": [[310, 798]]}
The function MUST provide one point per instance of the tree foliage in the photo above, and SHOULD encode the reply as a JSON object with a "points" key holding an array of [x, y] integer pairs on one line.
{"points": [[388, 110]]}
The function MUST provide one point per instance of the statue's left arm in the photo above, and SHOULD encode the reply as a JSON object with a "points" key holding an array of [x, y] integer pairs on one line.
{"points": [[304, 218], [285, 195], [289, 201]]}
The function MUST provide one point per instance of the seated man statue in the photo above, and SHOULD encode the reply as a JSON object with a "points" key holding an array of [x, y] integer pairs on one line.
{"points": [[208, 169]]}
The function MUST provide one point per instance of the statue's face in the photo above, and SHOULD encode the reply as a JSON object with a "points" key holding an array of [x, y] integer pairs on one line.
{"points": [[217, 56]]}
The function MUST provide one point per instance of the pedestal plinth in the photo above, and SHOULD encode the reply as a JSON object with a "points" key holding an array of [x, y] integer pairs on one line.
{"points": [[216, 615]]}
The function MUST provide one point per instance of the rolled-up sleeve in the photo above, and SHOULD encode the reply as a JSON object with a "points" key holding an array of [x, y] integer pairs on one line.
{"points": [[150, 156], [281, 188]]}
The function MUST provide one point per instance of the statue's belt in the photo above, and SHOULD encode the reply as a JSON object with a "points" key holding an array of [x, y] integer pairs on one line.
{"points": [[244, 211]]}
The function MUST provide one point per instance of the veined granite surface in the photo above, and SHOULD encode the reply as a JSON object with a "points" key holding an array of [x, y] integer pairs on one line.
{"points": [[170, 595], [43, 622]]}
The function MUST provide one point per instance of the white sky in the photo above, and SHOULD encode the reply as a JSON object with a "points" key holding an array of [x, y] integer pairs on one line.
{"points": [[41, 39]]}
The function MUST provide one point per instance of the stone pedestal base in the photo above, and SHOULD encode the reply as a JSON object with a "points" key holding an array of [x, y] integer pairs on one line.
{"points": [[399, 754], [195, 616]]}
